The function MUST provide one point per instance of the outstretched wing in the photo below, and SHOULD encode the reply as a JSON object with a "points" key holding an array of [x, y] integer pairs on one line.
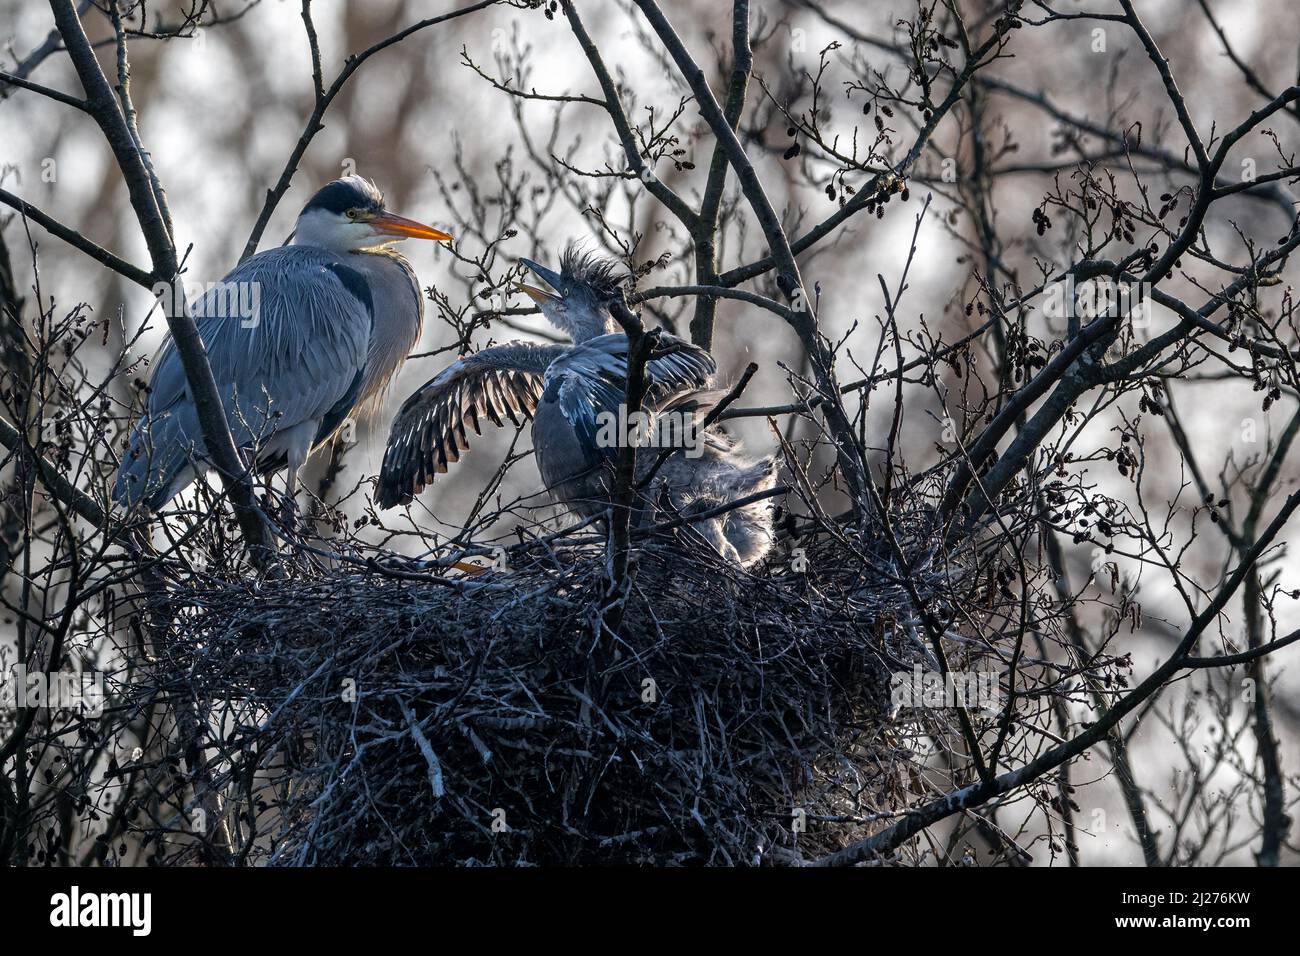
{"points": [[429, 430], [591, 379], [286, 335]]}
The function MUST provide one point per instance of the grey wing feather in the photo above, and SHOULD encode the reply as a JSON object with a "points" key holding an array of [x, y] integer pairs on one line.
{"points": [[429, 430], [684, 368], [583, 394], [286, 339]]}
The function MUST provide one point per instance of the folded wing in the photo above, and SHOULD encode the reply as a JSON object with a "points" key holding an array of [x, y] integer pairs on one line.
{"points": [[286, 335]]}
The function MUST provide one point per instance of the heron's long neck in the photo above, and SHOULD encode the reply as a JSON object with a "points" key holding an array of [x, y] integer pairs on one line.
{"points": [[398, 316], [586, 323]]}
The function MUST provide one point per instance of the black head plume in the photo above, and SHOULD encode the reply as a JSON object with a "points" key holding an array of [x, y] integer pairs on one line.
{"points": [[605, 278], [350, 192]]}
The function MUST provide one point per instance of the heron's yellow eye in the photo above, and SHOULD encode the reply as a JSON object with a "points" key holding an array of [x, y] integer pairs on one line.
{"points": [[352, 214]]}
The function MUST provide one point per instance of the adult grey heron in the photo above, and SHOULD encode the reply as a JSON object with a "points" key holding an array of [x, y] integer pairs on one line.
{"points": [[299, 338], [575, 394]]}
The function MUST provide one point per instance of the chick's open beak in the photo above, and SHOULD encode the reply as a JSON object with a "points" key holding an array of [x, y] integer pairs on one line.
{"points": [[553, 279], [537, 295], [393, 225]]}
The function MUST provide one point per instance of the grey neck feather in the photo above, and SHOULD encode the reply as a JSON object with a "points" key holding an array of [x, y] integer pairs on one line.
{"points": [[581, 321], [398, 315], [592, 323]]}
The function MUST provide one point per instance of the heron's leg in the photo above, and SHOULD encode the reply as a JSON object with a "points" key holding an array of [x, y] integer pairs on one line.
{"points": [[297, 446], [291, 490]]}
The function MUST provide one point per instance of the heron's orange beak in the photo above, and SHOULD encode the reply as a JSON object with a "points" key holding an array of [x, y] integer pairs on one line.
{"points": [[407, 228], [537, 295]]}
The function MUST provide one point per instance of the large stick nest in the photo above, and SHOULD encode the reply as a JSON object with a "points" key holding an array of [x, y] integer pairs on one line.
{"points": [[402, 716]]}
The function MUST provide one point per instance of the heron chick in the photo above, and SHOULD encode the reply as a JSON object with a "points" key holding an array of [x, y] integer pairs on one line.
{"points": [[300, 339], [575, 394]]}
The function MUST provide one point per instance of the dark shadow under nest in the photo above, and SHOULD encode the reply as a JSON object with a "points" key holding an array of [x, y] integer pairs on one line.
{"points": [[380, 714]]}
